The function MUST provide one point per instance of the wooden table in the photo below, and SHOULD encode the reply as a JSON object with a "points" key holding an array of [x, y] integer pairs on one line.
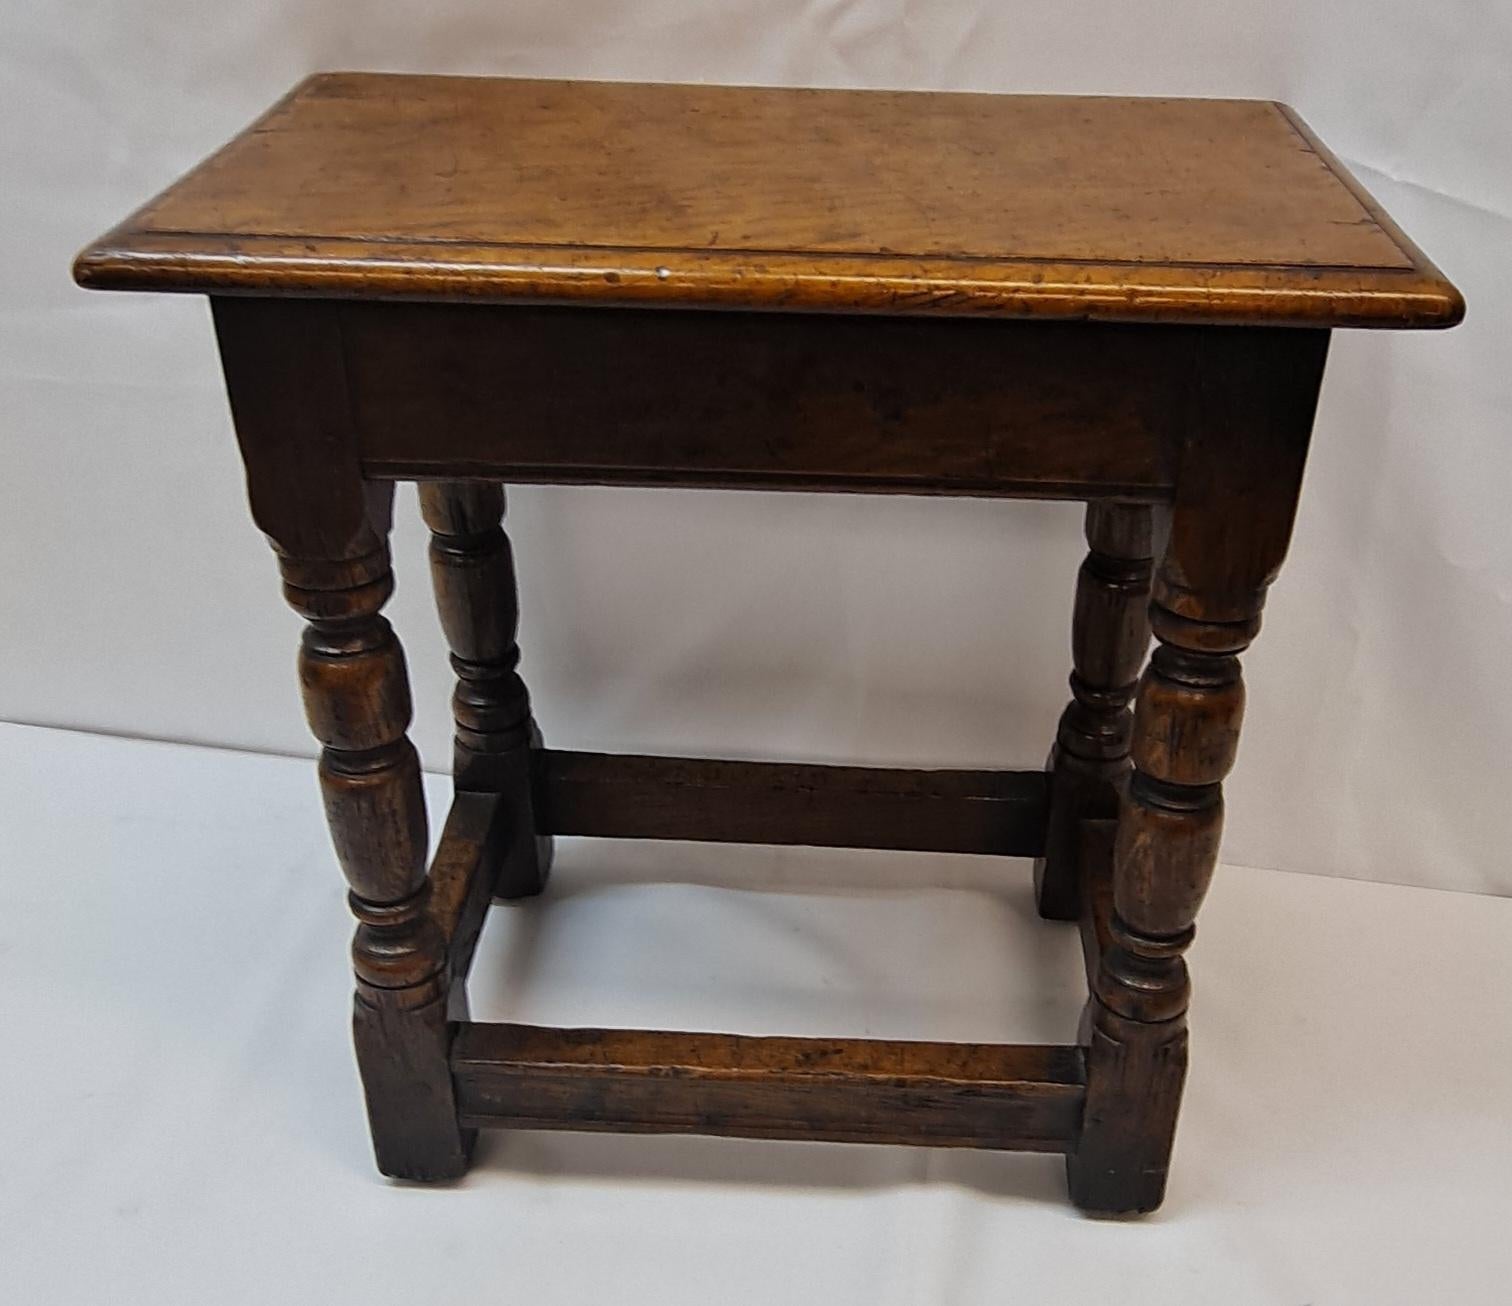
{"points": [[471, 281]]}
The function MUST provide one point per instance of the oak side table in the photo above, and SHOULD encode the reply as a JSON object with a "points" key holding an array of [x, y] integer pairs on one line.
{"points": [[470, 281]]}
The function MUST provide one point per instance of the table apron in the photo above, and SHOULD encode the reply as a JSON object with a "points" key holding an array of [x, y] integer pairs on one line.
{"points": [[768, 400]]}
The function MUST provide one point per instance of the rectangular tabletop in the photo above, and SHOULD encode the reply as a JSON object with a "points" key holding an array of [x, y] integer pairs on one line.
{"points": [[453, 188]]}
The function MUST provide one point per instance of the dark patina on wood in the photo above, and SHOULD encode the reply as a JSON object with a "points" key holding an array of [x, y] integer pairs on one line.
{"points": [[627, 797], [472, 281], [1021, 1097]]}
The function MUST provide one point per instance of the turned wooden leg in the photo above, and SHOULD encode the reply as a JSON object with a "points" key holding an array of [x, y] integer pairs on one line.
{"points": [[1109, 633], [472, 568], [285, 375], [356, 695], [1231, 520], [1186, 731]]}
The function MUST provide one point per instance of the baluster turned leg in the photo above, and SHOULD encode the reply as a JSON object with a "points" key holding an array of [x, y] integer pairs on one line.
{"points": [[1187, 714], [1231, 520], [472, 568], [356, 695], [1110, 630], [286, 378]]}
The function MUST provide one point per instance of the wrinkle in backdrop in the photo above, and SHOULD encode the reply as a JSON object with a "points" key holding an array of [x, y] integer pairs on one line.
{"points": [[137, 598]]}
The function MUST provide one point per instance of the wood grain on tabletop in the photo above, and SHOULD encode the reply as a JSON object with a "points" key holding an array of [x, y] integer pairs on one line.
{"points": [[883, 201]]}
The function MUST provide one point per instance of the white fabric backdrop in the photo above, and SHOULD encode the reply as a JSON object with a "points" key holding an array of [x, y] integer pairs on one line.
{"points": [[135, 596]]}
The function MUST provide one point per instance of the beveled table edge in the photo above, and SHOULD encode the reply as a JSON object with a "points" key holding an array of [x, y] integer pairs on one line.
{"points": [[131, 257]]}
